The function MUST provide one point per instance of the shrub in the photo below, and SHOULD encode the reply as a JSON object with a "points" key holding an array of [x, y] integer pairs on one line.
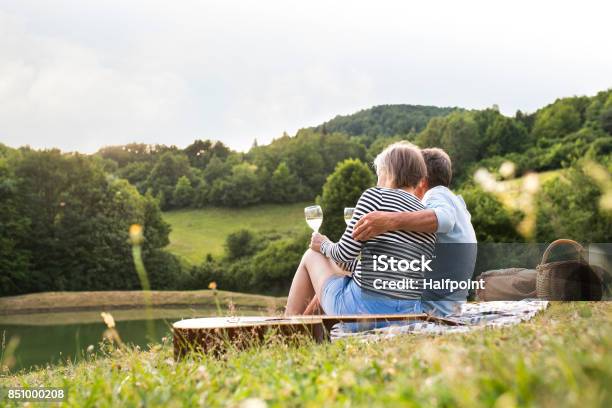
{"points": [[240, 244], [568, 207], [273, 268], [491, 221], [183, 195], [343, 189]]}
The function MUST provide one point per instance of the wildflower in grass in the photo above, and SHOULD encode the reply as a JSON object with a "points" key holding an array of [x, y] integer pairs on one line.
{"points": [[485, 179], [136, 234], [109, 321], [202, 373], [531, 183], [253, 403], [137, 238], [603, 179], [213, 286], [525, 201], [507, 169], [110, 333], [7, 355], [231, 308]]}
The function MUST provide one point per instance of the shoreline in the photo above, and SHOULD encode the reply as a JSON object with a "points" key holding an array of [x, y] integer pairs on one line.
{"points": [[47, 302]]}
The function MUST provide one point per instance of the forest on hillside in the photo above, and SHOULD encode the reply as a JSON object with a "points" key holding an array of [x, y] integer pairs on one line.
{"points": [[65, 216]]}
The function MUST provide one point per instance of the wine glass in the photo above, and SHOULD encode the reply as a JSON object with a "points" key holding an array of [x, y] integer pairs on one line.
{"points": [[314, 217], [348, 214]]}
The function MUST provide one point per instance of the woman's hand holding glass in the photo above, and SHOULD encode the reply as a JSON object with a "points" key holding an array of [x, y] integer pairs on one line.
{"points": [[316, 240]]}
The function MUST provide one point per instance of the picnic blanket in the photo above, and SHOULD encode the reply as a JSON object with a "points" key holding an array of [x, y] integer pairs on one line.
{"points": [[474, 315]]}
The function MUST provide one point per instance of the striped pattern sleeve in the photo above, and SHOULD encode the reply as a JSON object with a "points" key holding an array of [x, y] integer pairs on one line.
{"points": [[347, 249]]}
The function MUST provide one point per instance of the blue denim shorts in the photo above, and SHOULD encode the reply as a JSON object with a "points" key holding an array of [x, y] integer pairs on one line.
{"points": [[342, 296], [441, 308]]}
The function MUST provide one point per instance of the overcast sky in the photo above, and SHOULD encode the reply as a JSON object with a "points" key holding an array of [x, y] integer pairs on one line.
{"points": [[79, 75]]}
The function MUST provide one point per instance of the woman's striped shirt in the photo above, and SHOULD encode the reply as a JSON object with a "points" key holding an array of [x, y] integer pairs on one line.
{"points": [[400, 244]]}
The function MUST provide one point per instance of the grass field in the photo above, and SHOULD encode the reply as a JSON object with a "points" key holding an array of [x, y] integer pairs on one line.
{"points": [[563, 357], [198, 232]]}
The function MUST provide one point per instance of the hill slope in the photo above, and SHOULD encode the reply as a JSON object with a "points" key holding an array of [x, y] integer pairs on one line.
{"points": [[387, 120], [196, 233]]}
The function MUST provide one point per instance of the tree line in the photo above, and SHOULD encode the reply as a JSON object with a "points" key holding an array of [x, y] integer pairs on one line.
{"points": [[65, 216], [65, 226], [289, 169], [292, 169]]}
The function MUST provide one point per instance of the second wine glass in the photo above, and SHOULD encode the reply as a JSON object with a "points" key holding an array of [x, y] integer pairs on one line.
{"points": [[348, 214]]}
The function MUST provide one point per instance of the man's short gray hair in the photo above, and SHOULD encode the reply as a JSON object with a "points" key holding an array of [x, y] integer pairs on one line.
{"points": [[439, 167], [403, 163]]}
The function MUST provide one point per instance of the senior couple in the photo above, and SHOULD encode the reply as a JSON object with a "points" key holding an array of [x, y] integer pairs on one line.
{"points": [[409, 210]]}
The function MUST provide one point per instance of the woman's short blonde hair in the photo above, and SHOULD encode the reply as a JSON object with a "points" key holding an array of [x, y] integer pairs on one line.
{"points": [[403, 163]]}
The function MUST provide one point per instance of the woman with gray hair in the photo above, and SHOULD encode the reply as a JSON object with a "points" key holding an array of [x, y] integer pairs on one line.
{"points": [[323, 270]]}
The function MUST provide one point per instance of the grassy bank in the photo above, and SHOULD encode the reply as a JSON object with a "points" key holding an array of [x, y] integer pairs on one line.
{"points": [[79, 301], [563, 357], [198, 232]]}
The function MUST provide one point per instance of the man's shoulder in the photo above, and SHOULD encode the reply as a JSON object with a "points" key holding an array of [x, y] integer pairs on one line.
{"points": [[439, 192], [443, 196]]}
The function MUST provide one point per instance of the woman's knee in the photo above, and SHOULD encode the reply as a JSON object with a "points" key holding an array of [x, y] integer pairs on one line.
{"points": [[308, 254], [311, 255]]}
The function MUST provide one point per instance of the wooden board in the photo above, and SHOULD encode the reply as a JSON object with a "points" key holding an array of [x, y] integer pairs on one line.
{"points": [[216, 334]]}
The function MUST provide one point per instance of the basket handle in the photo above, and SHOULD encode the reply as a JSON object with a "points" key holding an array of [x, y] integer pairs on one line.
{"points": [[563, 241]]}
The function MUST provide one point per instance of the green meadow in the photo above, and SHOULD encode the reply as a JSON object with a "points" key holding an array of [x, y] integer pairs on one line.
{"points": [[562, 357], [196, 233]]}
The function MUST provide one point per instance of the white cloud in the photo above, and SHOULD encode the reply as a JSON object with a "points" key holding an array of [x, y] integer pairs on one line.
{"points": [[79, 75], [57, 93]]}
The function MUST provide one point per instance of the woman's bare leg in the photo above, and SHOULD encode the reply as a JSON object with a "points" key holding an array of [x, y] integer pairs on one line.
{"points": [[301, 291], [314, 307], [311, 275]]}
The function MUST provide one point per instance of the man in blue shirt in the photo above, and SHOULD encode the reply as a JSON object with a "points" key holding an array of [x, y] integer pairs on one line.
{"points": [[448, 217]]}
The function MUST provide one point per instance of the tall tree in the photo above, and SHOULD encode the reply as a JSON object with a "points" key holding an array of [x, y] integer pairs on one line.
{"points": [[284, 185], [14, 230], [183, 194], [343, 189], [165, 174], [78, 224], [560, 118]]}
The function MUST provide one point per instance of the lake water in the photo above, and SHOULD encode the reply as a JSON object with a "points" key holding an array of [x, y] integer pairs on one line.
{"points": [[46, 338]]}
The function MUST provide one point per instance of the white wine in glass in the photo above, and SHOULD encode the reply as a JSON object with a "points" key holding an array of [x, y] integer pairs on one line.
{"points": [[348, 214], [314, 217]]}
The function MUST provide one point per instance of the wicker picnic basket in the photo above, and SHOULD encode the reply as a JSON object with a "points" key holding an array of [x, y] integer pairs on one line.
{"points": [[569, 279]]}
